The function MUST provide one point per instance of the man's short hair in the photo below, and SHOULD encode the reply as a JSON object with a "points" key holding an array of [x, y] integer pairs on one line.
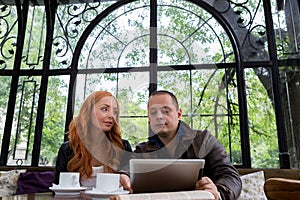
{"points": [[161, 92]]}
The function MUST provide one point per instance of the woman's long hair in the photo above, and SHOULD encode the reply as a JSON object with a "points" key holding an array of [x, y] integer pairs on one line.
{"points": [[84, 144]]}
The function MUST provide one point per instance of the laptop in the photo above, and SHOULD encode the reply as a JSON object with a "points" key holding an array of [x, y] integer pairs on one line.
{"points": [[165, 175]]}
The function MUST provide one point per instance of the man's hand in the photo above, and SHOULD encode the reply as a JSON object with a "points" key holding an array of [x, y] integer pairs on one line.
{"points": [[206, 184], [125, 182]]}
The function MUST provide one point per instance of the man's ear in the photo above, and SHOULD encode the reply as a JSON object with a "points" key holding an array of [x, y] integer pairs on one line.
{"points": [[148, 116], [179, 112]]}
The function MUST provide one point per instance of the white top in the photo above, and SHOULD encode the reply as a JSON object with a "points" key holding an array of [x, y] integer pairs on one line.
{"points": [[89, 183]]}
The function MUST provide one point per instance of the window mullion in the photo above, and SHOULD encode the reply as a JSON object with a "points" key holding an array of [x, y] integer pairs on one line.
{"points": [[153, 46]]}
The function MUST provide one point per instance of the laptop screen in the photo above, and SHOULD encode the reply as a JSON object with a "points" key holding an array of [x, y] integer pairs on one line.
{"points": [[165, 175]]}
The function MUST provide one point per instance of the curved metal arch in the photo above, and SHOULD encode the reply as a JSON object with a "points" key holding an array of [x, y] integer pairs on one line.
{"points": [[180, 42], [104, 28], [130, 42], [91, 26], [243, 114]]}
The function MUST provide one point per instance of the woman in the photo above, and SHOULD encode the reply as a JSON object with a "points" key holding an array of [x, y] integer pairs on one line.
{"points": [[95, 144]]}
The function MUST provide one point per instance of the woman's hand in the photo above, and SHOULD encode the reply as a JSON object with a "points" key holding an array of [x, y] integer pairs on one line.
{"points": [[125, 182], [206, 184]]}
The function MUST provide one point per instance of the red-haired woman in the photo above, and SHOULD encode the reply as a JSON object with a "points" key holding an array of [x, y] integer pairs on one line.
{"points": [[95, 144]]}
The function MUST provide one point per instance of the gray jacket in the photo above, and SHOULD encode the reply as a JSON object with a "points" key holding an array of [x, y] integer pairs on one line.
{"points": [[193, 144]]}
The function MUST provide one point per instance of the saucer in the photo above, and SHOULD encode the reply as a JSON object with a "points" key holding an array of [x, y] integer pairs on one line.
{"points": [[102, 194], [67, 191]]}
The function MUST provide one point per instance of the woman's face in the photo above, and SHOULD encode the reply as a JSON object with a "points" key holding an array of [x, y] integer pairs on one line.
{"points": [[105, 113]]}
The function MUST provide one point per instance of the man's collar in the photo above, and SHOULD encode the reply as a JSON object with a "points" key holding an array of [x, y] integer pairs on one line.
{"points": [[184, 138]]}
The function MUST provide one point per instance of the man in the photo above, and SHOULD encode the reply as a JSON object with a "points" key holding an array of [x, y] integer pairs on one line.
{"points": [[173, 138]]}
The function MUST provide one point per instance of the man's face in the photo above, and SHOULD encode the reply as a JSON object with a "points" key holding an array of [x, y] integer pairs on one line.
{"points": [[163, 115]]}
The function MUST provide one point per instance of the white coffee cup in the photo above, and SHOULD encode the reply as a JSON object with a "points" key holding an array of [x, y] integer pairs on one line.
{"points": [[69, 180], [107, 182]]}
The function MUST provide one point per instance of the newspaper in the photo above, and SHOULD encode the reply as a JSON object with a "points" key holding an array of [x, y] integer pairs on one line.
{"points": [[184, 195]]}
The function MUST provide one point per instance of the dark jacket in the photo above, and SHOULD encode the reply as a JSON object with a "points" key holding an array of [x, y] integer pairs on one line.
{"points": [[193, 144], [65, 153]]}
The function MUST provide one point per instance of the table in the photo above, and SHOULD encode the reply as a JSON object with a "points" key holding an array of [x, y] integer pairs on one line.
{"points": [[196, 194], [45, 196]]}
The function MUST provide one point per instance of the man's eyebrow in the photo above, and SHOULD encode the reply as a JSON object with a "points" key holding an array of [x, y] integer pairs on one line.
{"points": [[155, 107], [166, 107]]}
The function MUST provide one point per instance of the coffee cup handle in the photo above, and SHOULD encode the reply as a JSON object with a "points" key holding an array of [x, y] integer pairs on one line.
{"points": [[75, 181]]}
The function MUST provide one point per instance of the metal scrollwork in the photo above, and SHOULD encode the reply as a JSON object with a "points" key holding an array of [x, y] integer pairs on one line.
{"points": [[64, 42], [257, 37], [86, 13], [5, 11], [7, 41], [245, 16], [19, 162], [61, 49]]}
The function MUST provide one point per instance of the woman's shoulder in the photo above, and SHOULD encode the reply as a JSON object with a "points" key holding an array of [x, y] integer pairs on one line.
{"points": [[65, 151], [65, 146]]}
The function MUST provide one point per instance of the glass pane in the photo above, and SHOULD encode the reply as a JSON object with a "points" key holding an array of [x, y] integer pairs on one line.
{"points": [[261, 117], [70, 22], [290, 77], [188, 34], [119, 40], [131, 89], [8, 36], [23, 128], [35, 36], [177, 82], [134, 129], [4, 95], [133, 93], [286, 18], [233, 141], [54, 120]]}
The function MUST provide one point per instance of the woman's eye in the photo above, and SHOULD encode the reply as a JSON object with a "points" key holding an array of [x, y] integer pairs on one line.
{"points": [[104, 109]]}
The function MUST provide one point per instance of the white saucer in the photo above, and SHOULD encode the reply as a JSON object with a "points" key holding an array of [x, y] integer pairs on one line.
{"points": [[67, 191], [101, 194]]}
